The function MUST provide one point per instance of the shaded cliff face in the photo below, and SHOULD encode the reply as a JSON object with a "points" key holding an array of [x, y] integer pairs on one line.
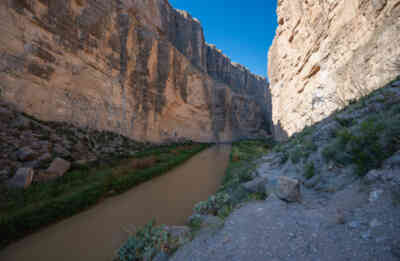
{"points": [[326, 53], [139, 68]]}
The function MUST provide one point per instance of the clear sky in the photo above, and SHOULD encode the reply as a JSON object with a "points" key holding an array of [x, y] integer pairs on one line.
{"points": [[242, 29]]}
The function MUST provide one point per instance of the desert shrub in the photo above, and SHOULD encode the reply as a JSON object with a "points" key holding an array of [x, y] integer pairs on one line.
{"points": [[301, 149], [296, 154], [145, 244], [213, 204], [239, 170], [345, 122], [28, 210], [366, 145], [309, 170]]}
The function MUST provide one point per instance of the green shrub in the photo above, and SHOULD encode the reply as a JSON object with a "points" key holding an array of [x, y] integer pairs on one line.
{"points": [[367, 145], [145, 244], [296, 154], [213, 204], [309, 170], [239, 170], [42, 204], [302, 150], [344, 122], [225, 211]]}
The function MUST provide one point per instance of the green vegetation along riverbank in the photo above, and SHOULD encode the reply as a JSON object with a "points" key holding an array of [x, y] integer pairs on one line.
{"points": [[24, 211], [151, 240]]}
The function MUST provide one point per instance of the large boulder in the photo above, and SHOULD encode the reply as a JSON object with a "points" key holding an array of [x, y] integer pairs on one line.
{"points": [[58, 167], [288, 189], [22, 179]]}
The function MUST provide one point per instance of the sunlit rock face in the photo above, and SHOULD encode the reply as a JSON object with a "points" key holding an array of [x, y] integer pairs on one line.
{"points": [[326, 53], [136, 67]]}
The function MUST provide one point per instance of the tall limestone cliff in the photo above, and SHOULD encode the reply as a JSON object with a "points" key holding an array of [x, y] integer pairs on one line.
{"points": [[136, 67], [328, 52]]}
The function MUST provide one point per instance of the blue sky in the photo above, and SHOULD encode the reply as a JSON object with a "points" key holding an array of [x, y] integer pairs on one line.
{"points": [[242, 29]]}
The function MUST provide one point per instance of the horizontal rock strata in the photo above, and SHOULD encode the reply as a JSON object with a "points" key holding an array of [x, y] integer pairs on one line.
{"points": [[135, 67]]}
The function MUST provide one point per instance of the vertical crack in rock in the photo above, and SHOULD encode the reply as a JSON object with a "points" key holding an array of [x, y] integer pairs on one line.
{"points": [[163, 69], [123, 23]]}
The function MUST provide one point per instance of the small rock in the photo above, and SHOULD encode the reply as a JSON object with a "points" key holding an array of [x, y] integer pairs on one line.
{"points": [[32, 164], [366, 235], [373, 176], [354, 224], [21, 123], [396, 250], [257, 185], [25, 154], [380, 239], [162, 256], [310, 183], [378, 4], [22, 179], [396, 84], [374, 223], [340, 218], [59, 167], [288, 189], [393, 162], [4, 175], [45, 157], [374, 195], [179, 233], [55, 138], [80, 147], [6, 115], [61, 151]]}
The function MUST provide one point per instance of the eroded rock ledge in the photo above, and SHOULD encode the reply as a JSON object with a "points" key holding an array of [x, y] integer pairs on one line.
{"points": [[134, 67]]}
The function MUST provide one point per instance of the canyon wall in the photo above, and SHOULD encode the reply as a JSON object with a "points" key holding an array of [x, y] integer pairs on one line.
{"points": [[328, 52], [136, 67]]}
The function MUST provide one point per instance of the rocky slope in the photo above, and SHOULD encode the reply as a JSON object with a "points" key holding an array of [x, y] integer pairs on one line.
{"points": [[135, 67], [333, 194], [29, 144], [326, 53]]}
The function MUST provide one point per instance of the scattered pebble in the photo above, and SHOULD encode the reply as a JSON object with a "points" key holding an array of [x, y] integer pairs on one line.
{"points": [[366, 235], [354, 224], [374, 195], [374, 223]]}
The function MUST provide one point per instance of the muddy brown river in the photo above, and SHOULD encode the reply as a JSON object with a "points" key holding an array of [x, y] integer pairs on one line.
{"points": [[96, 234]]}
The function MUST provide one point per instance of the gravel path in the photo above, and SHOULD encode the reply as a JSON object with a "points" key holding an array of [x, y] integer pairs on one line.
{"points": [[360, 222]]}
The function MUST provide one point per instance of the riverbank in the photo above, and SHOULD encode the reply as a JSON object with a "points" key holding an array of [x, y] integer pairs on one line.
{"points": [[154, 240], [96, 233], [24, 211]]}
